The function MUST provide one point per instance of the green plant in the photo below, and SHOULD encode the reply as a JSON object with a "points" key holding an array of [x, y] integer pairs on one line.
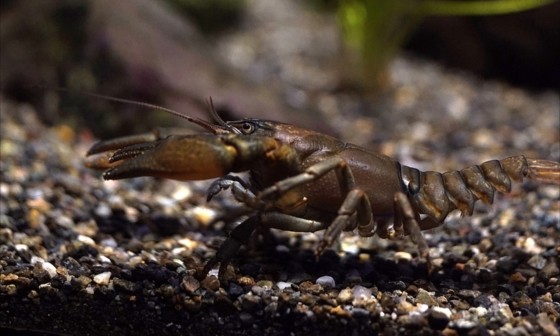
{"points": [[375, 30]]}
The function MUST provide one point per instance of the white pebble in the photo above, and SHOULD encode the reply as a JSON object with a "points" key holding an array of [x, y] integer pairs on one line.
{"points": [[35, 259], [4, 189], [349, 244], [401, 255], [178, 250], [103, 210], [110, 242], [361, 292], [282, 248], [179, 262], [102, 278], [444, 311], [165, 201], [283, 285], [47, 266], [213, 272], [421, 307], [181, 193], [22, 248], [188, 243], [103, 259], [114, 200], [325, 281], [86, 240], [480, 311], [203, 215]]}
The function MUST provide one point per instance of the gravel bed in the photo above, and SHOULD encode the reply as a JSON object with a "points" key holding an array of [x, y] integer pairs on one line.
{"points": [[82, 256]]}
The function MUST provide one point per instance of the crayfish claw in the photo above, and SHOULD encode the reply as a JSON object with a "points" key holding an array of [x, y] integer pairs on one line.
{"points": [[122, 142], [132, 151]]}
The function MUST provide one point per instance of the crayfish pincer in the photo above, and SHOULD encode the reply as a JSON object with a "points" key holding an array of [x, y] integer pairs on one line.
{"points": [[304, 181]]}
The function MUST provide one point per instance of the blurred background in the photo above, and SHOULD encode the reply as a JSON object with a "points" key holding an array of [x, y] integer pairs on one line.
{"points": [[260, 58], [437, 85]]}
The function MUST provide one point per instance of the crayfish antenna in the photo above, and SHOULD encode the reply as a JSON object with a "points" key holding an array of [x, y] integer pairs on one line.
{"points": [[216, 129], [227, 128], [544, 171]]}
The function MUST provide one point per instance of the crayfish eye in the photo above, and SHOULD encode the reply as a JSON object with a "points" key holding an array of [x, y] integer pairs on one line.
{"points": [[247, 128]]}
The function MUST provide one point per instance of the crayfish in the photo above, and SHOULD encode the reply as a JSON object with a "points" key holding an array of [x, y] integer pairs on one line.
{"points": [[305, 181]]}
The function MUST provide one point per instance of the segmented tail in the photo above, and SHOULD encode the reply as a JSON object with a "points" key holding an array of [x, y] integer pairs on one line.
{"points": [[437, 194]]}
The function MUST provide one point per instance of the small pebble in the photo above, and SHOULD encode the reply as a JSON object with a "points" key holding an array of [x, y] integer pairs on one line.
{"points": [[325, 281], [250, 302], [102, 278], [344, 296], [235, 290], [22, 248], [246, 281], [537, 262], [438, 318], [550, 269], [109, 242], [211, 283], [549, 327], [426, 298], [103, 259], [103, 210], [517, 277], [135, 261], [125, 285], [401, 255], [480, 311], [283, 285], [86, 240], [265, 284], [181, 193], [190, 284], [282, 249], [464, 324], [361, 292], [339, 311], [47, 266]]}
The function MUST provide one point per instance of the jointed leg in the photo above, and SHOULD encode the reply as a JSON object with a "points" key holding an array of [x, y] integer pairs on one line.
{"points": [[357, 202], [406, 220], [278, 220], [243, 231], [316, 171], [230, 246]]}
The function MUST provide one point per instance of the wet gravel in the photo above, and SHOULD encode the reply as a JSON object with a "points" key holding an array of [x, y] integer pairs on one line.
{"points": [[79, 255]]}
